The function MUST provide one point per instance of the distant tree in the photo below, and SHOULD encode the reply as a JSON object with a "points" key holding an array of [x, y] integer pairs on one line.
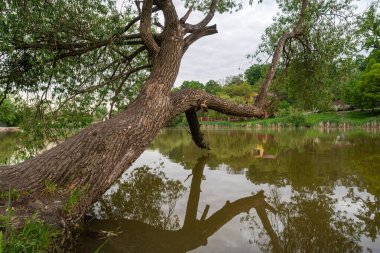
{"points": [[192, 84], [254, 73], [8, 113], [369, 27], [213, 87], [367, 89], [241, 91], [237, 79], [323, 39]]}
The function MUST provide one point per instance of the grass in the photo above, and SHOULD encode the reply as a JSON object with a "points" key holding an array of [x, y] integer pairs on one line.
{"points": [[73, 199], [50, 187], [350, 119], [35, 236], [11, 194]]}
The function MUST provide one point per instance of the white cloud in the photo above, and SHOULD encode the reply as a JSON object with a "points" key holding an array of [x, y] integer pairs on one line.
{"points": [[224, 54]]}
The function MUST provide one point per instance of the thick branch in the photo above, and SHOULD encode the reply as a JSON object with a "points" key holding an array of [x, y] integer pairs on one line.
{"points": [[171, 28], [297, 30], [136, 19], [186, 16], [191, 28], [145, 28], [186, 99], [202, 32], [195, 128]]}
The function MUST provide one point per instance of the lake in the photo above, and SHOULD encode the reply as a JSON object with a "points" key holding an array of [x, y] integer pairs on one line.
{"points": [[293, 190]]}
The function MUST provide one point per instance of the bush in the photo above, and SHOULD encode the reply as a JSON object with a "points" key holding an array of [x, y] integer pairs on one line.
{"points": [[9, 115], [284, 109], [296, 119], [292, 116]]}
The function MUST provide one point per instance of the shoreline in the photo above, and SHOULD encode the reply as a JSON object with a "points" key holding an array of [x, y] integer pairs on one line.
{"points": [[10, 129], [320, 125]]}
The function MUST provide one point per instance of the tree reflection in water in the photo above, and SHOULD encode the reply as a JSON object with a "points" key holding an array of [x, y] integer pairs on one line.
{"points": [[146, 196], [308, 223], [131, 227], [311, 163]]}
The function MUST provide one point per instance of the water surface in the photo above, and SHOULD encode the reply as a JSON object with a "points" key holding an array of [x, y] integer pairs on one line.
{"points": [[254, 191]]}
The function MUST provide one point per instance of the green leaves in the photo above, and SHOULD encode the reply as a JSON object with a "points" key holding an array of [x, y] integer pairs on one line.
{"points": [[192, 84], [364, 91], [369, 28], [68, 60], [222, 6], [9, 114]]}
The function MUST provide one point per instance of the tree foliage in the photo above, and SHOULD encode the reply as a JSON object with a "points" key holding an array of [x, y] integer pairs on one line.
{"points": [[369, 27], [192, 84], [213, 87], [366, 91], [9, 114], [255, 73], [70, 54], [311, 59]]}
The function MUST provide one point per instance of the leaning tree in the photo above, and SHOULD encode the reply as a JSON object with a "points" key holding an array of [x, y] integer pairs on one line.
{"points": [[89, 49]]}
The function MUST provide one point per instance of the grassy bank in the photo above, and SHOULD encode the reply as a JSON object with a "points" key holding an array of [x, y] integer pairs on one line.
{"points": [[324, 120], [34, 236]]}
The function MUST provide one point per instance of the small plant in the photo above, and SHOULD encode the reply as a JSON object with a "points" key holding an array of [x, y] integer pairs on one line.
{"points": [[50, 186], [11, 194], [73, 199]]}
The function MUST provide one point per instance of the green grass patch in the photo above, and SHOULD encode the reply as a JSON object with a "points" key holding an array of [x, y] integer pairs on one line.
{"points": [[36, 236], [50, 187], [73, 199], [298, 119]]}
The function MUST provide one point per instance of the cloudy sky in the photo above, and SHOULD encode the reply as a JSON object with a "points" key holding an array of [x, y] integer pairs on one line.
{"points": [[224, 54]]}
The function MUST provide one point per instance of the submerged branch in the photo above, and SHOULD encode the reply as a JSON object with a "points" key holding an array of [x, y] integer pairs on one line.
{"points": [[195, 128]]}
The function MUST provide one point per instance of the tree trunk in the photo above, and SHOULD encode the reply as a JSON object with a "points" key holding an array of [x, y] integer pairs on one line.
{"points": [[93, 159], [88, 163]]}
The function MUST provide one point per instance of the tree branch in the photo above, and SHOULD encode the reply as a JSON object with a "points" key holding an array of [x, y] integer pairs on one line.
{"points": [[145, 28], [195, 128], [191, 28], [93, 88], [184, 100], [136, 19], [202, 32], [186, 16], [297, 30], [171, 28]]}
